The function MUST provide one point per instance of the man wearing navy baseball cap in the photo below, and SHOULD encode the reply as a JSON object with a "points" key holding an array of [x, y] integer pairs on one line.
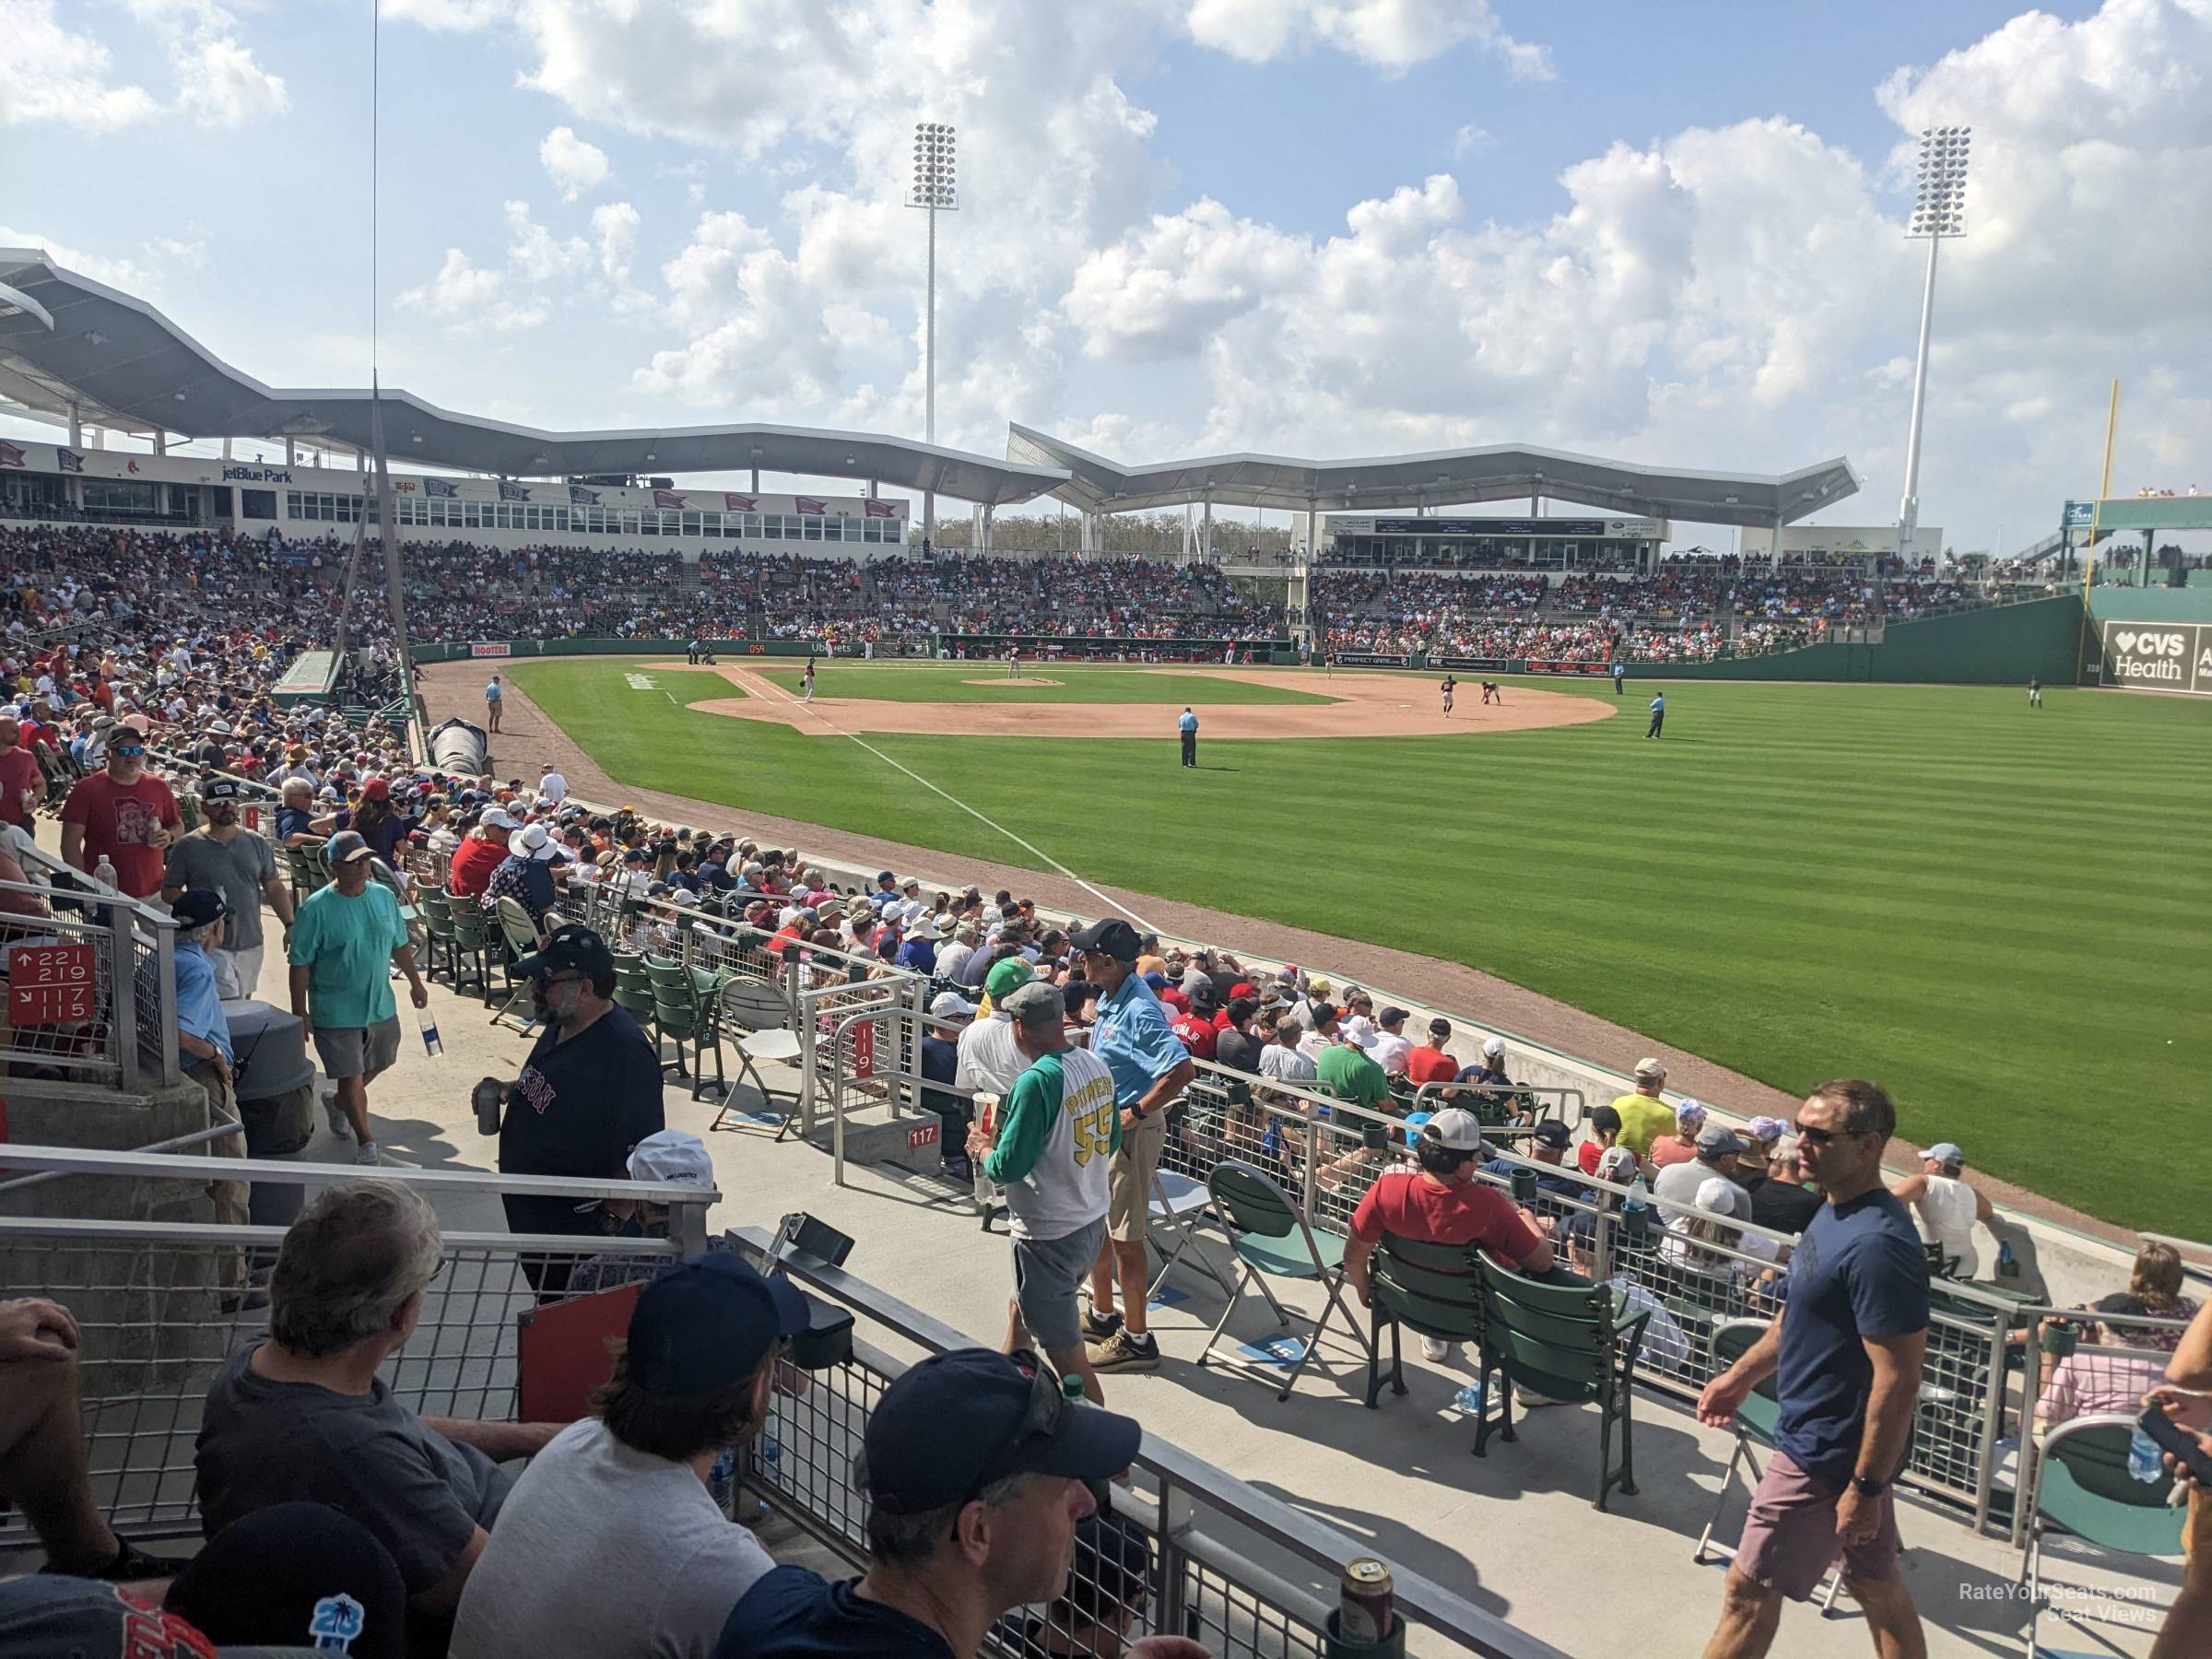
{"points": [[975, 1466], [615, 1516]]}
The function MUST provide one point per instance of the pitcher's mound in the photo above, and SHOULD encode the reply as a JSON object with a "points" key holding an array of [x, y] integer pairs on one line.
{"points": [[1020, 679]]}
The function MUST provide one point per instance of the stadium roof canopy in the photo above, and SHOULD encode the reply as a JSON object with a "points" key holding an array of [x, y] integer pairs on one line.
{"points": [[1496, 472], [73, 347]]}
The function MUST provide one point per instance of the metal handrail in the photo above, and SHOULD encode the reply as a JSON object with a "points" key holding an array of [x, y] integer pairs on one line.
{"points": [[1418, 1599]]}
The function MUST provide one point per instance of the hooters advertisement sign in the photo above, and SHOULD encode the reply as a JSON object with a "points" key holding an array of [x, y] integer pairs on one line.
{"points": [[51, 984]]}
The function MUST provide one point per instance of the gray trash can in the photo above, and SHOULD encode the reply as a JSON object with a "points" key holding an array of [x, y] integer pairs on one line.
{"points": [[276, 1088]]}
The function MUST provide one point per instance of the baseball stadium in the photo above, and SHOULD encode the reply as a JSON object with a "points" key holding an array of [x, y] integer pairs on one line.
{"points": [[1444, 812]]}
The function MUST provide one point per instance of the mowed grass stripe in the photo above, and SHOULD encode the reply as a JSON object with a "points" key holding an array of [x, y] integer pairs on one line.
{"points": [[1998, 912]]}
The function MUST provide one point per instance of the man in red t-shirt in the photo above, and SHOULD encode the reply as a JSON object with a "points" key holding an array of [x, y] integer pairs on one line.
{"points": [[1430, 1062], [22, 784], [1442, 1203], [482, 851], [122, 813]]}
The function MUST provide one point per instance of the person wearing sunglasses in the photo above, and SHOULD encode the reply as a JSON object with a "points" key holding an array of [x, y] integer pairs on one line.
{"points": [[978, 1475], [1845, 1355], [123, 814]]}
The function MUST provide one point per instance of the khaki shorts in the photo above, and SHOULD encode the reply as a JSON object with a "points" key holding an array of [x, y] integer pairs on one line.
{"points": [[356, 1051], [1129, 1179]]}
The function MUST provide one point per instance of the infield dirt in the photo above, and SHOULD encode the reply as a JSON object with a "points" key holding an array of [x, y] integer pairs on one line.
{"points": [[1365, 706]]}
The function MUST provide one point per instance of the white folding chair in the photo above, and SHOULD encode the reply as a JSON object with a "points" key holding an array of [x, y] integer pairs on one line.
{"points": [[1178, 1204], [756, 1020]]}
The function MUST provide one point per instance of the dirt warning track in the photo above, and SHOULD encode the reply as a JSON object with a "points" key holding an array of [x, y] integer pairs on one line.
{"points": [[1364, 706]]}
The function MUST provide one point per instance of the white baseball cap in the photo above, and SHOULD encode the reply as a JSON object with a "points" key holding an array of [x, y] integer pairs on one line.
{"points": [[674, 1156], [1457, 1128], [950, 1004], [1493, 1046]]}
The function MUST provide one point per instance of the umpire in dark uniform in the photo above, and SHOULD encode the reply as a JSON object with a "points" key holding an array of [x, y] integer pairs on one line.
{"points": [[1188, 726]]}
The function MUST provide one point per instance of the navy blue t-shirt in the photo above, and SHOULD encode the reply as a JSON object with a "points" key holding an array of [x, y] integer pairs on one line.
{"points": [[1859, 1271], [794, 1613]]}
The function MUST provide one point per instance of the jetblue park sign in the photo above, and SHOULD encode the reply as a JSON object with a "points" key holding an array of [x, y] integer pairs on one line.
{"points": [[2158, 656]]}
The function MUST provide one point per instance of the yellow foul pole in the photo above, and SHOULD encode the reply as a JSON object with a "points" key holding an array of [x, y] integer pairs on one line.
{"points": [[2104, 488]]}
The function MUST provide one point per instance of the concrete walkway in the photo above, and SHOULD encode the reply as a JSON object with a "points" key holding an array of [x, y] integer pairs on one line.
{"points": [[1513, 1532]]}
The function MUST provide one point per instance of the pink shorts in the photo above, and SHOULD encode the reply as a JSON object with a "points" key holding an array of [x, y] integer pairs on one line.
{"points": [[1790, 1536]]}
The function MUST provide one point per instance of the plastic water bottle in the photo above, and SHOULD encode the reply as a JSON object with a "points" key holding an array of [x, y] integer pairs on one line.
{"points": [[1071, 1388], [722, 1483], [104, 871], [1636, 1208], [2008, 1266], [1468, 1399], [2145, 1461], [431, 1043]]}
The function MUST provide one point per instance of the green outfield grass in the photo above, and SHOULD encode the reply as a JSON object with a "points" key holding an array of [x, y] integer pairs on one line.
{"points": [[951, 682], [2001, 914]]}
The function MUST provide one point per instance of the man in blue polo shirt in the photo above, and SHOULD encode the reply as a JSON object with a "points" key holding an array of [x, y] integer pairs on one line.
{"points": [[1846, 1355], [1150, 1069]]}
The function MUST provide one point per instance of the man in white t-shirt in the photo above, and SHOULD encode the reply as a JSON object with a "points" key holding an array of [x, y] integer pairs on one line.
{"points": [[610, 1543], [1391, 1049], [552, 788]]}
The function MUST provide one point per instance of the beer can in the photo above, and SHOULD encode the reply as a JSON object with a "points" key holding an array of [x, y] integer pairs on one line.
{"points": [[1364, 1617]]}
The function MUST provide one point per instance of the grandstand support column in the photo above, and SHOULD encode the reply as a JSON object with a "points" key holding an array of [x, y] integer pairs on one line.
{"points": [[986, 515], [77, 427], [387, 531], [1205, 540], [291, 452], [160, 441], [929, 518]]}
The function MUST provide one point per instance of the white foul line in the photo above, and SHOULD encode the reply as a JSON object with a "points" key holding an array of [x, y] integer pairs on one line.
{"points": [[1113, 906]]}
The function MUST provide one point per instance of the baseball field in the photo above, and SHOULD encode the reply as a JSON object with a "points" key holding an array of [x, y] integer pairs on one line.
{"points": [[2005, 914]]}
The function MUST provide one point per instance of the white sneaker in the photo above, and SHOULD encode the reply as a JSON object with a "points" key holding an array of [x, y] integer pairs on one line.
{"points": [[1438, 1352], [340, 1125], [367, 1155], [1529, 1400]]}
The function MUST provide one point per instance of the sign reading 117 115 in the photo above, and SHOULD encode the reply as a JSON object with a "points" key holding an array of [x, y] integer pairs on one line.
{"points": [[49, 984]]}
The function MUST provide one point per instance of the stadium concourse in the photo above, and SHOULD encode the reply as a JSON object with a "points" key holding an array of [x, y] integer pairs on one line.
{"points": [[189, 641]]}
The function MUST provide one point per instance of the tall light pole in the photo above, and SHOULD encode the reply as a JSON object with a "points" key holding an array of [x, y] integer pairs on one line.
{"points": [[1938, 212], [934, 192]]}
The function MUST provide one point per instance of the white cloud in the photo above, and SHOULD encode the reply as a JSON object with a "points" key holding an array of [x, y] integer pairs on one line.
{"points": [[448, 16], [615, 226], [464, 295], [536, 253], [125, 274], [571, 163], [53, 74], [1393, 35], [1469, 139], [220, 83]]}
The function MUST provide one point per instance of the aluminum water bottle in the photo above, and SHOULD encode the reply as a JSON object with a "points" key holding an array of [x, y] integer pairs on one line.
{"points": [[431, 1043], [2145, 1461]]}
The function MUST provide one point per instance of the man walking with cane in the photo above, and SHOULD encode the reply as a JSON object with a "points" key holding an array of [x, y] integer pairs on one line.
{"points": [[1845, 1355]]}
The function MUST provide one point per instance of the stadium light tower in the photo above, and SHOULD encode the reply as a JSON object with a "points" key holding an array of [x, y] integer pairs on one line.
{"points": [[1938, 212], [934, 192]]}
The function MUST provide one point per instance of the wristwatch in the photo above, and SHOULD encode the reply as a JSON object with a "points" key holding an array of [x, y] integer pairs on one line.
{"points": [[1867, 1487]]}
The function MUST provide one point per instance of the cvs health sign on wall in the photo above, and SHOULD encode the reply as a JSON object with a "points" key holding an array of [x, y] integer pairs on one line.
{"points": [[2158, 656]]}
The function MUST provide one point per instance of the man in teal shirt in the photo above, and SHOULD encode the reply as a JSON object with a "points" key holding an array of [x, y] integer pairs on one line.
{"points": [[343, 939]]}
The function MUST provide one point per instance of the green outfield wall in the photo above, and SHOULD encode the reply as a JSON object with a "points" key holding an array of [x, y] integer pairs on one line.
{"points": [[2039, 639]]}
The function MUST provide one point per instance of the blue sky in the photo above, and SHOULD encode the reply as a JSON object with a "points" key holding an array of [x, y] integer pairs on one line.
{"points": [[1670, 234]]}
